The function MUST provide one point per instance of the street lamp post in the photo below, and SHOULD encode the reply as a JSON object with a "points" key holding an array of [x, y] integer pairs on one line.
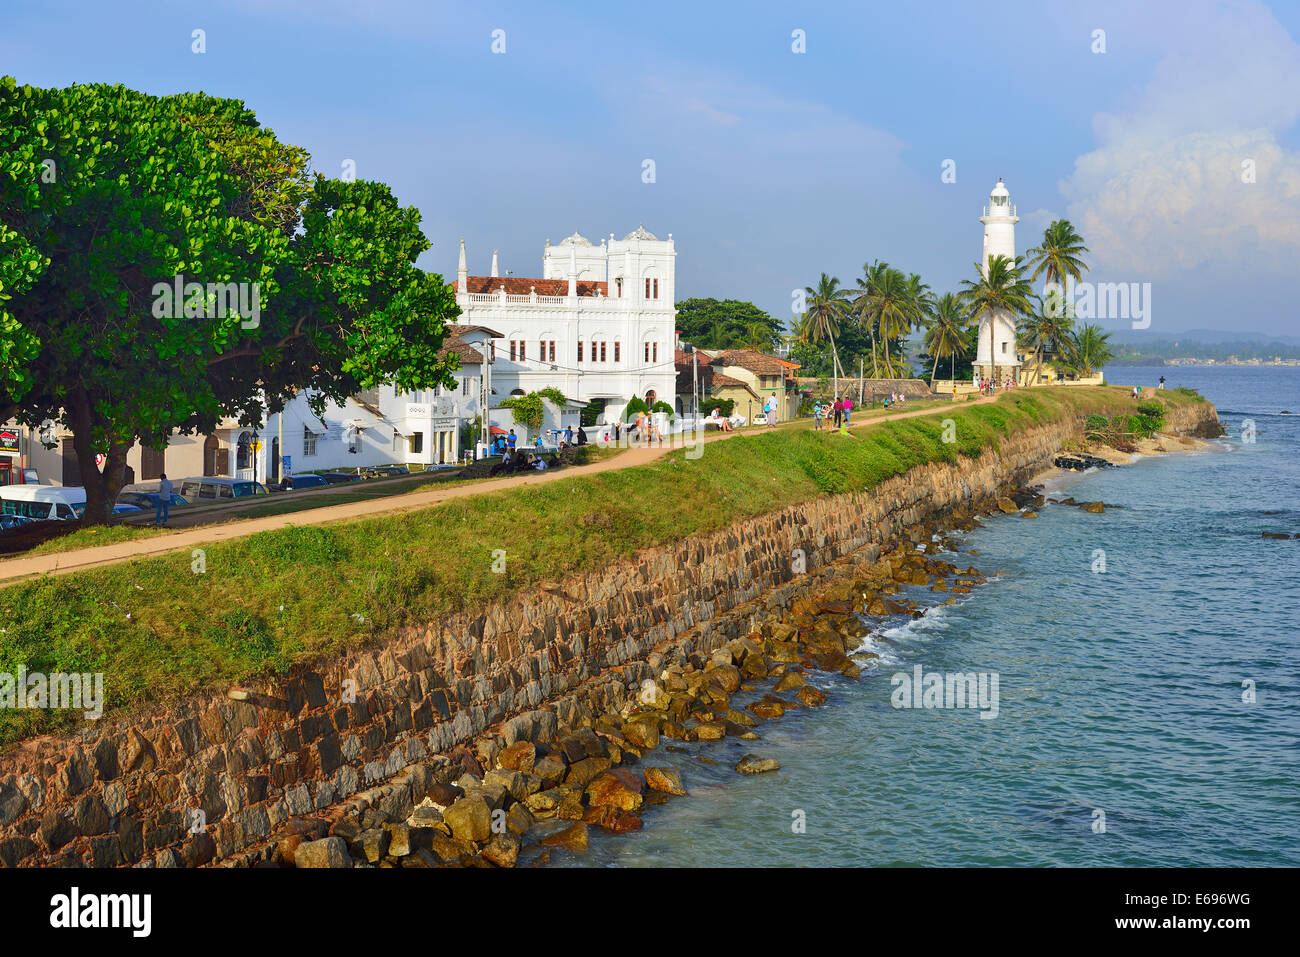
{"points": [[256, 449]]}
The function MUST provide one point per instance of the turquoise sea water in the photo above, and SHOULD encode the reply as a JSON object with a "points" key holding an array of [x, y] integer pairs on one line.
{"points": [[1119, 691]]}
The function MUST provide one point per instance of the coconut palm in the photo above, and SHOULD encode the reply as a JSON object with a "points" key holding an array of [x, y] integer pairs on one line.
{"points": [[1047, 331], [862, 305], [889, 307], [1087, 351], [1000, 288], [827, 308], [944, 335], [1060, 256]]}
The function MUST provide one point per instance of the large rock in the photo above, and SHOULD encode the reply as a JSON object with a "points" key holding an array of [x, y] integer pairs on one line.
{"points": [[572, 838], [470, 819], [1096, 508], [551, 767], [726, 677], [620, 788], [520, 756], [753, 764], [587, 770], [502, 850], [327, 852], [665, 780], [791, 681], [518, 784]]}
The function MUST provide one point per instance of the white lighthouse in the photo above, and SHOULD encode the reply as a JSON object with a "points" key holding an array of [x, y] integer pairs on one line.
{"points": [[999, 221]]}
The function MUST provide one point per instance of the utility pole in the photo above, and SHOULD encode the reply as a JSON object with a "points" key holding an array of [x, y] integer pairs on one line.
{"points": [[860, 380]]}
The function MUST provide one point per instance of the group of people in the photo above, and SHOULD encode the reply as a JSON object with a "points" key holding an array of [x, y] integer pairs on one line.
{"points": [[895, 398], [642, 428], [837, 411], [990, 385], [512, 462]]}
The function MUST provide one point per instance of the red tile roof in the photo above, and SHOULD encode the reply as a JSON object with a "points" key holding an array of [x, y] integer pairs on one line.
{"points": [[469, 355], [755, 361], [521, 286]]}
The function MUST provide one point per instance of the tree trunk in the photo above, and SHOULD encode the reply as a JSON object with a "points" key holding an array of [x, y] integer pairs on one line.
{"points": [[102, 486]]}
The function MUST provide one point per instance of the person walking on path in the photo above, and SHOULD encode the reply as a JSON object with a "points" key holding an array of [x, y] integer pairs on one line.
{"points": [[817, 415], [848, 407], [164, 501], [839, 411]]}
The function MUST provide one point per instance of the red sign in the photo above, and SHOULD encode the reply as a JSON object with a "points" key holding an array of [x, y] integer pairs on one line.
{"points": [[8, 440]]}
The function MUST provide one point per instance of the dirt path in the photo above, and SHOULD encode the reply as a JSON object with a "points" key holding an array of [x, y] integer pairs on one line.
{"points": [[61, 563]]}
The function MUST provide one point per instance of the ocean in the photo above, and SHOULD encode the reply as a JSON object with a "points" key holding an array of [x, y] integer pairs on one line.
{"points": [[1148, 698]]}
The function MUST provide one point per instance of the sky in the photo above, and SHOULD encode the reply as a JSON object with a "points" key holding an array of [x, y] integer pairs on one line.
{"points": [[1175, 152]]}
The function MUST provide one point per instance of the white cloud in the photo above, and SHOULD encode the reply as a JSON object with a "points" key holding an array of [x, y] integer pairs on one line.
{"points": [[1164, 193]]}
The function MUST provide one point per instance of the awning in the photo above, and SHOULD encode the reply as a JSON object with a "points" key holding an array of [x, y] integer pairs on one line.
{"points": [[496, 430], [313, 423], [402, 430]]}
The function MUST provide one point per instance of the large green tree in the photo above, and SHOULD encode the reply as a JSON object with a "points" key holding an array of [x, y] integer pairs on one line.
{"points": [[288, 282], [726, 324]]}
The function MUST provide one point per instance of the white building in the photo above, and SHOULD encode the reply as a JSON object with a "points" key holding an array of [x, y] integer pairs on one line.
{"points": [[999, 221], [598, 324]]}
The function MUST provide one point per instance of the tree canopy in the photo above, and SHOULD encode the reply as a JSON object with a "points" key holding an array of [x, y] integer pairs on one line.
{"points": [[166, 262], [727, 324]]}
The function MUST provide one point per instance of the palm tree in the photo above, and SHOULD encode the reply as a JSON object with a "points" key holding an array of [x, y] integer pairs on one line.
{"points": [[1002, 288], [1048, 332], [943, 336], [827, 309], [889, 307], [1088, 350], [862, 305], [1060, 256]]}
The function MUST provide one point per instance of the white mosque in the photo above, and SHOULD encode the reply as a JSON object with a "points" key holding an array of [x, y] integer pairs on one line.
{"points": [[599, 323], [999, 221]]}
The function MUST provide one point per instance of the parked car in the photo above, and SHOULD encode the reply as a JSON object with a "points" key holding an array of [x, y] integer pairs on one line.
{"points": [[299, 482], [209, 488], [121, 509], [384, 471], [148, 501], [14, 521], [339, 478], [43, 501]]}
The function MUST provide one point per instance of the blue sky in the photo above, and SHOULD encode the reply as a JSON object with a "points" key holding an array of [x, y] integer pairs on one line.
{"points": [[771, 166]]}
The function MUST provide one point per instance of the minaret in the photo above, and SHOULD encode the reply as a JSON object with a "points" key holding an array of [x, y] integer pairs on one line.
{"points": [[494, 264], [573, 269], [999, 221], [462, 271]]}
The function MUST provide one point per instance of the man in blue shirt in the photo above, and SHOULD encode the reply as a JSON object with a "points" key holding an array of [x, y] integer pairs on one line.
{"points": [[510, 440], [164, 501]]}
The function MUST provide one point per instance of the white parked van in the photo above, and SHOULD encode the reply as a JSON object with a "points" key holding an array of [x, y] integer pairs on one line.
{"points": [[214, 489], [43, 501]]}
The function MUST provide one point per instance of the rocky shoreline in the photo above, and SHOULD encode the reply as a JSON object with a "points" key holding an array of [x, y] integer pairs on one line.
{"points": [[520, 804]]}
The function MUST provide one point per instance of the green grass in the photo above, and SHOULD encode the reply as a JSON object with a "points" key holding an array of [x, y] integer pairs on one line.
{"points": [[264, 506], [266, 601]]}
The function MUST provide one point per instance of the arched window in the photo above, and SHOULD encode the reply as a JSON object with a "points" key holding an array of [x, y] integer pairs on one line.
{"points": [[244, 452]]}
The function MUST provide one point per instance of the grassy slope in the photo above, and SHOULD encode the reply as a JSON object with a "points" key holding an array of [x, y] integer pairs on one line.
{"points": [[158, 630]]}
